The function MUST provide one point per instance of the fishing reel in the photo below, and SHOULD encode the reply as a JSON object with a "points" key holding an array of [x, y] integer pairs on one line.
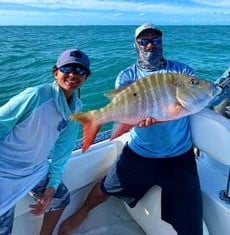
{"points": [[224, 82], [222, 104]]}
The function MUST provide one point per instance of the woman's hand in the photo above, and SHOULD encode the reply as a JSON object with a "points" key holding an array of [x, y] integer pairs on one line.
{"points": [[42, 202]]}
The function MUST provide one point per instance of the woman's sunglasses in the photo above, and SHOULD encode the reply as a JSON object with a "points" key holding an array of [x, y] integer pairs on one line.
{"points": [[73, 68]]}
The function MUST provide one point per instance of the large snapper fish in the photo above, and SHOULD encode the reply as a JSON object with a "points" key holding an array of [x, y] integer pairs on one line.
{"points": [[163, 96]]}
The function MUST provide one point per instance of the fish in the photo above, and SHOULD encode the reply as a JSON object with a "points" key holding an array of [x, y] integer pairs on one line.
{"points": [[162, 96]]}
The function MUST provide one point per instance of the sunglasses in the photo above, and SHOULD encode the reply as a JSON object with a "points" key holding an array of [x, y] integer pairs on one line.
{"points": [[153, 41], [73, 68]]}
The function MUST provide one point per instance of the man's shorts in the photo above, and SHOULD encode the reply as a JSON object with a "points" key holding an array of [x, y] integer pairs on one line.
{"points": [[6, 222], [131, 176]]}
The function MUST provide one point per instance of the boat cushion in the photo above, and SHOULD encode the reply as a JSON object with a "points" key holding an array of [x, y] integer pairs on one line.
{"points": [[211, 134]]}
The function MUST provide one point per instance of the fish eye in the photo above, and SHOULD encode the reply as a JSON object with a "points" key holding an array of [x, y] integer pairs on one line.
{"points": [[194, 81]]}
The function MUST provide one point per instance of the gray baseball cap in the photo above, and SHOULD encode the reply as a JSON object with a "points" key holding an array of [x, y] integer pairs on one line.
{"points": [[147, 26], [73, 56]]}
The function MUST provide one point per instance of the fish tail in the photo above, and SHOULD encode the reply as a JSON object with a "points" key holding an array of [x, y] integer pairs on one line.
{"points": [[90, 127], [120, 129]]}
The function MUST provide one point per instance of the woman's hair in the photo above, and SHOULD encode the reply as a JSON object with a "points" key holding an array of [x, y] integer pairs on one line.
{"points": [[54, 69]]}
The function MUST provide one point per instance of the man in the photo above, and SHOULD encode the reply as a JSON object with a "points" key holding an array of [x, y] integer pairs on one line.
{"points": [[159, 154]]}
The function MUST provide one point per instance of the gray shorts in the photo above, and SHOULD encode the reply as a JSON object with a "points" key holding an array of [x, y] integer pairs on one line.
{"points": [[6, 222], [60, 200]]}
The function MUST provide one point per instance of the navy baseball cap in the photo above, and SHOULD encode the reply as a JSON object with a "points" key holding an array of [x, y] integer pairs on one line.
{"points": [[73, 56]]}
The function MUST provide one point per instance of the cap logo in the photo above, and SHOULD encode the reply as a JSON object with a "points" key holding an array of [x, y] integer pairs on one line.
{"points": [[76, 54]]}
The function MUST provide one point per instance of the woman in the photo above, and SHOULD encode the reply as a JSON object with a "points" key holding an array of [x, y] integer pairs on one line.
{"points": [[36, 141]]}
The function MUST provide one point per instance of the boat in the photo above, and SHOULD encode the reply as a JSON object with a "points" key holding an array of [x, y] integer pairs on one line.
{"points": [[211, 139]]}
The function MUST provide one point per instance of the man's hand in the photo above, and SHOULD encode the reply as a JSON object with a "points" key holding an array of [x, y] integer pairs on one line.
{"points": [[42, 202], [147, 122]]}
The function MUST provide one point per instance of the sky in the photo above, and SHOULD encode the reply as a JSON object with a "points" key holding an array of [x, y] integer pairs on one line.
{"points": [[114, 12]]}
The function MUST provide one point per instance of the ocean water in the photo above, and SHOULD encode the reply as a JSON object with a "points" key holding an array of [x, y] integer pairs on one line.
{"points": [[29, 52]]}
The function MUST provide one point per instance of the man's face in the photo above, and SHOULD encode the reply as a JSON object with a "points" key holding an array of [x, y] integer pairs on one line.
{"points": [[149, 41]]}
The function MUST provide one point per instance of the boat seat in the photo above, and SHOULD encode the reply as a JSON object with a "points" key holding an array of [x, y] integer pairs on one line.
{"points": [[147, 213], [211, 134], [81, 165]]}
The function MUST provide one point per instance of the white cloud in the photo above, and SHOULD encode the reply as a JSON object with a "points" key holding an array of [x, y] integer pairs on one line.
{"points": [[118, 14], [142, 14], [121, 9], [212, 3], [127, 6]]}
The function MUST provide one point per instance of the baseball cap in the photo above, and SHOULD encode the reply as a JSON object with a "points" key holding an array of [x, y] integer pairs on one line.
{"points": [[73, 56], [147, 26]]}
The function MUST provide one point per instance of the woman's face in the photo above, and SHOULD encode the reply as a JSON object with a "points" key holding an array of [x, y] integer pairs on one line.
{"points": [[70, 77]]}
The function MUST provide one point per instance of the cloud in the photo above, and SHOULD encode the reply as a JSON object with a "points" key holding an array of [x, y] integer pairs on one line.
{"points": [[80, 4], [212, 3], [126, 11], [127, 6]]}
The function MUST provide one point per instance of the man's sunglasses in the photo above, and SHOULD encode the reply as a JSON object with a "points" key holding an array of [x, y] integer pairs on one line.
{"points": [[73, 68], [154, 41]]}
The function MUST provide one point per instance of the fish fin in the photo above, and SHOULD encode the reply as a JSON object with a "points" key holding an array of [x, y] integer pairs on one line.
{"points": [[90, 127], [113, 93], [120, 129]]}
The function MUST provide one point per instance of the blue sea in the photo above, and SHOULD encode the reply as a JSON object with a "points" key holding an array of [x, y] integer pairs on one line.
{"points": [[29, 52]]}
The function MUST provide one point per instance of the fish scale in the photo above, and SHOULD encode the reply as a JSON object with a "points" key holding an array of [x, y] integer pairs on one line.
{"points": [[165, 96], [161, 96]]}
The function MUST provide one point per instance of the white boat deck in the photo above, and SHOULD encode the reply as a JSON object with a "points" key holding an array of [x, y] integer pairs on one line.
{"points": [[109, 218]]}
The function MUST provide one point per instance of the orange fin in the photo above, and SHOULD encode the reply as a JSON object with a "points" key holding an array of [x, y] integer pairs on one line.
{"points": [[90, 127], [120, 129]]}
